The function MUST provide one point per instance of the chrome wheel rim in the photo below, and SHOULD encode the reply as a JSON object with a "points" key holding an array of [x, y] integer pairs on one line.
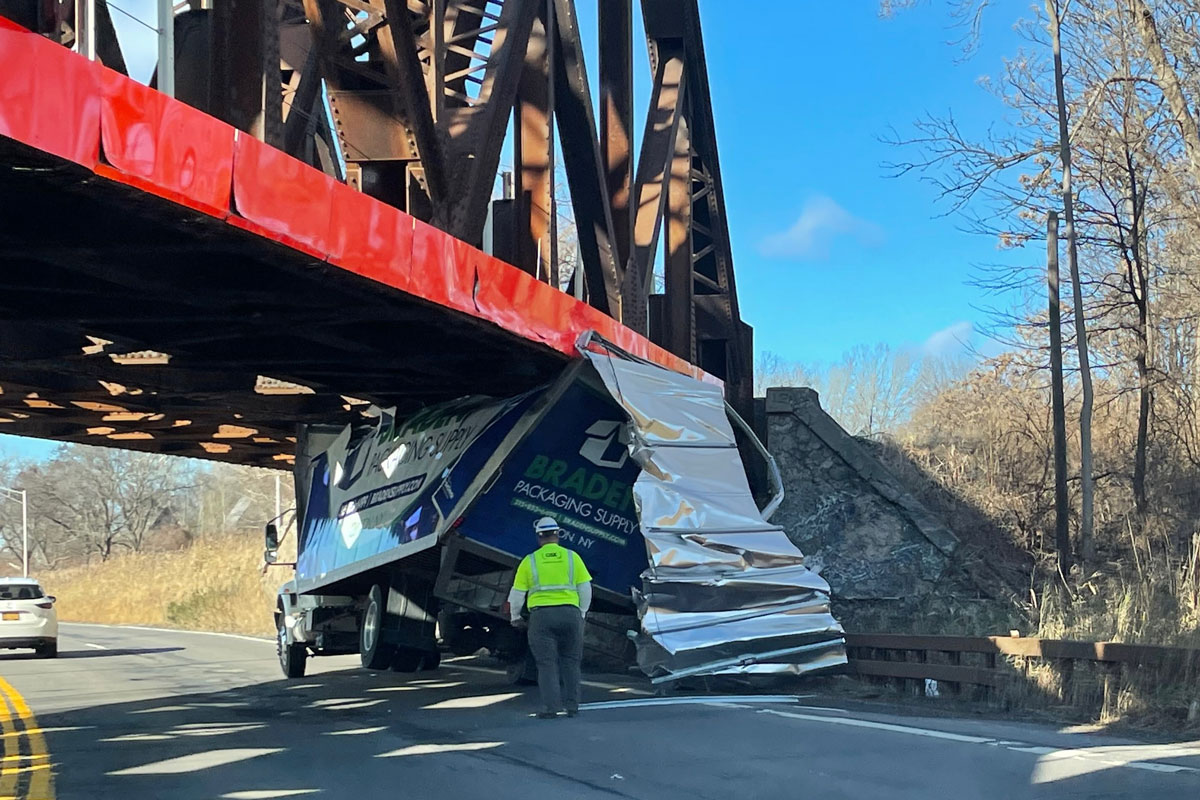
{"points": [[281, 641], [370, 627]]}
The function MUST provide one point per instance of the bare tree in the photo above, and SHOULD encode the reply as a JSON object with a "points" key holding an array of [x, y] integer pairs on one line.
{"points": [[102, 499], [1169, 82], [871, 389]]}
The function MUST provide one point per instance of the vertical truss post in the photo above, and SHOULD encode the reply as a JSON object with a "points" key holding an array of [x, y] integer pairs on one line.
{"points": [[680, 333], [244, 56], [85, 28], [436, 71], [658, 150], [476, 129], [580, 148], [533, 152], [616, 116], [166, 47]]}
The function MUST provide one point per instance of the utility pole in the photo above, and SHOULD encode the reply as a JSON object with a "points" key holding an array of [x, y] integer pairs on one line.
{"points": [[1062, 535], [24, 495]]}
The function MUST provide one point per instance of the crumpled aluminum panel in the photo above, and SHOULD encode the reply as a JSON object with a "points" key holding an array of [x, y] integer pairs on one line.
{"points": [[726, 592]]}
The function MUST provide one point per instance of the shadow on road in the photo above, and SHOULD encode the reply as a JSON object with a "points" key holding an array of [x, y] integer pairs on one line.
{"points": [[339, 734], [463, 731]]}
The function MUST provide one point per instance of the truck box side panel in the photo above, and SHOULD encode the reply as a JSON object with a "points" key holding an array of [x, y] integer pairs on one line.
{"points": [[574, 467], [373, 501]]}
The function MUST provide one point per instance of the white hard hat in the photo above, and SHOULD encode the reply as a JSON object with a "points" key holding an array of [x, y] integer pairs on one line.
{"points": [[546, 526]]}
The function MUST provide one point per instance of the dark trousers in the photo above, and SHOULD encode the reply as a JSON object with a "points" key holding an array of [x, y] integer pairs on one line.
{"points": [[556, 641]]}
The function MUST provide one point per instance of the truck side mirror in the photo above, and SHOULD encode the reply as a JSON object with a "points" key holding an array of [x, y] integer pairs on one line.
{"points": [[271, 544]]}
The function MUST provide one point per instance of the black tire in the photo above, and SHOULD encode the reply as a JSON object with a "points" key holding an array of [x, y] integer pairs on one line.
{"points": [[292, 657], [408, 659], [372, 651], [521, 671], [431, 661], [48, 650]]}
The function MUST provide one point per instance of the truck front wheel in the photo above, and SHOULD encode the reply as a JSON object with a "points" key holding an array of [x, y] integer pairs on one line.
{"points": [[371, 648], [292, 655]]}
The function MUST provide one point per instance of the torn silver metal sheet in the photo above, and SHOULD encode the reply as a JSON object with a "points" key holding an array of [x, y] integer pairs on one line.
{"points": [[725, 592]]}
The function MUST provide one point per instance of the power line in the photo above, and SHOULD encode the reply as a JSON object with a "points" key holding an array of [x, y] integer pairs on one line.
{"points": [[134, 17]]}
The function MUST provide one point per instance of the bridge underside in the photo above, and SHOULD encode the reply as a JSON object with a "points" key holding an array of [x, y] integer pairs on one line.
{"points": [[170, 284]]}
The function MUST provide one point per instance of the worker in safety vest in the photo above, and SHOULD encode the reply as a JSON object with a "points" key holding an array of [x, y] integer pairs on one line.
{"points": [[557, 587]]}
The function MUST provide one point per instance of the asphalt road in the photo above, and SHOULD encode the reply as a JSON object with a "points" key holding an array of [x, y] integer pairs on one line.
{"points": [[132, 713]]}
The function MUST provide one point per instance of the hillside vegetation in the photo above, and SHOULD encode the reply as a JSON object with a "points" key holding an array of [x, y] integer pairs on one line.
{"points": [[212, 585]]}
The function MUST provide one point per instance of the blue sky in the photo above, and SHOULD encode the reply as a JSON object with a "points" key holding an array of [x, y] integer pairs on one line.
{"points": [[829, 251]]}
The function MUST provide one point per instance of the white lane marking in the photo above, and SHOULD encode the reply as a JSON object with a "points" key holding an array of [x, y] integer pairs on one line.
{"points": [[267, 794], [744, 701], [195, 762], [260, 639], [95, 646], [1101, 757], [881, 726]]}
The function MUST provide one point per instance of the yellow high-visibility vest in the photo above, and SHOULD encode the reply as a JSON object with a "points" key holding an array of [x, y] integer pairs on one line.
{"points": [[551, 576]]}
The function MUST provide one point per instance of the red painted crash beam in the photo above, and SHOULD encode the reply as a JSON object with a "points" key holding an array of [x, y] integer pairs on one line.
{"points": [[58, 102]]}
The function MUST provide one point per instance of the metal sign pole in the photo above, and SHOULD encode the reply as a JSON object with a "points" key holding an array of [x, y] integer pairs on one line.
{"points": [[85, 28], [166, 47], [24, 533]]}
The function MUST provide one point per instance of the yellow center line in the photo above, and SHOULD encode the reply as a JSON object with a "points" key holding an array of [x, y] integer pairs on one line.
{"points": [[41, 781], [8, 782], [31, 757]]}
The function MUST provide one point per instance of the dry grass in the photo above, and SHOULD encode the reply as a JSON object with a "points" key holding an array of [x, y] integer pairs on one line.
{"points": [[213, 585]]}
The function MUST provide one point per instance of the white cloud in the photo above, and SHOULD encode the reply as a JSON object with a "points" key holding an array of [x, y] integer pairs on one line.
{"points": [[821, 222], [952, 340]]}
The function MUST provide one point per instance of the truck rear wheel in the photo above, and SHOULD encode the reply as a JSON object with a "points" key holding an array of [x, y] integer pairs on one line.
{"points": [[371, 648], [522, 670], [292, 655], [408, 659]]}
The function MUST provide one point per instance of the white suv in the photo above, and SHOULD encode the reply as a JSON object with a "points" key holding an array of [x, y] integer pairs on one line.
{"points": [[27, 617]]}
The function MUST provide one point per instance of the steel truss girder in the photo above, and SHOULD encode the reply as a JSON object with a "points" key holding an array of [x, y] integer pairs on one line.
{"points": [[456, 69], [421, 94]]}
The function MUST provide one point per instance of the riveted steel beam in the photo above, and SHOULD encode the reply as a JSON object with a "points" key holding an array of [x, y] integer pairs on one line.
{"points": [[585, 172], [650, 196], [533, 154], [616, 117]]}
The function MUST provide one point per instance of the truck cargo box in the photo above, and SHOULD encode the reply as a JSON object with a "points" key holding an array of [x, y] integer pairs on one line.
{"points": [[639, 465]]}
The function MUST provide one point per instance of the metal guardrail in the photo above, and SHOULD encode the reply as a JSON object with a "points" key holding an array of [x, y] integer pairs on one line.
{"points": [[997, 662]]}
